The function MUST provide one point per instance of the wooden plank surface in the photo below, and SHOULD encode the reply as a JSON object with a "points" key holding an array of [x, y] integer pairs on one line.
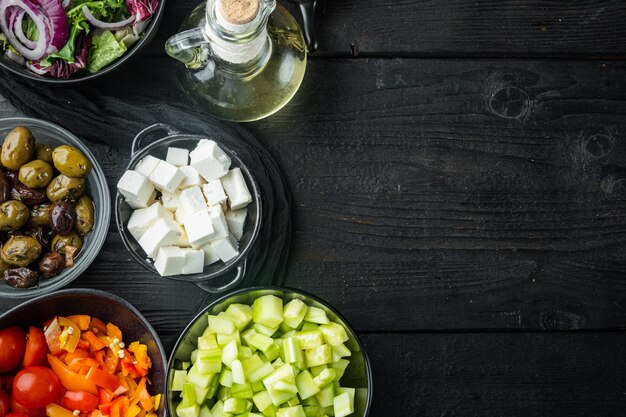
{"points": [[457, 28]]}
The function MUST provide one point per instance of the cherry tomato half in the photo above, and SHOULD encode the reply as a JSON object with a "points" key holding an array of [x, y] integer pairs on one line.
{"points": [[12, 343], [36, 348], [30, 412], [4, 403], [36, 386], [79, 400]]}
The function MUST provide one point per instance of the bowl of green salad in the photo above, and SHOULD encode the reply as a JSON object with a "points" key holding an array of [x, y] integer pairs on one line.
{"points": [[268, 351], [70, 41]]}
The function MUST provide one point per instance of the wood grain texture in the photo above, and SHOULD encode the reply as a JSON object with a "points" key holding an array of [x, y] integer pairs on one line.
{"points": [[456, 28]]}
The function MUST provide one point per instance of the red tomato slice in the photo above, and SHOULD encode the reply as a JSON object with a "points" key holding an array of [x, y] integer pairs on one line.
{"points": [[79, 400], [36, 386], [36, 348], [4, 404], [12, 343]]}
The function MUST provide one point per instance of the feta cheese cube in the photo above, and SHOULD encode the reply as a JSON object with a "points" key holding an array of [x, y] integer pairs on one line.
{"points": [[226, 248], [236, 220], [194, 261], [209, 160], [214, 193], [192, 200], [218, 221], [136, 189], [183, 240], [177, 156], [142, 219], [170, 261], [146, 166], [143, 204], [235, 186], [170, 201], [164, 232], [192, 178], [166, 176], [179, 215], [199, 228], [210, 257]]}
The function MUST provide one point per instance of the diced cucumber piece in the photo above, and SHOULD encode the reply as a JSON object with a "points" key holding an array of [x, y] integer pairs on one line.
{"points": [[226, 378], [235, 406], [244, 352], [188, 406], [340, 368], [326, 396], [334, 333], [310, 340], [260, 373], [294, 313], [213, 387], [279, 397], [325, 377], [343, 405], [299, 365], [340, 351], [241, 314], [293, 402], [199, 379], [284, 373], [272, 352], [291, 350], [261, 342], [270, 411], [194, 356], [253, 415], [350, 391], [308, 327], [287, 335], [296, 411], [185, 365], [316, 315], [205, 411], [278, 363], [251, 364], [318, 356], [284, 386], [258, 386], [218, 410], [246, 337], [241, 391], [306, 385], [201, 394], [230, 353], [265, 330], [238, 375], [221, 324], [179, 379], [316, 370], [262, 400], [223, 393], [209, 361], [312, 410], [310, 401], [224, 339], [268, 311], [207, 342]]}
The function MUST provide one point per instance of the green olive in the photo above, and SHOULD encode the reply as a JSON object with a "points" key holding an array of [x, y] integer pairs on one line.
{"points": [[59, 243], [40, 215], [21, 251], [64, 187], [35, 174], [43, 152], [85, 215], [13, 215], [71, 161], [18, 148]]}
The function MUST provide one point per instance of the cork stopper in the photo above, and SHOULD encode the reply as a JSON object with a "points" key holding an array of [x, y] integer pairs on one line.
{"points": [[239, 12]]}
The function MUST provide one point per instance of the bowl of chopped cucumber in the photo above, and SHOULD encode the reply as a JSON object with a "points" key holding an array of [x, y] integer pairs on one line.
{"points": [[268, 351]]}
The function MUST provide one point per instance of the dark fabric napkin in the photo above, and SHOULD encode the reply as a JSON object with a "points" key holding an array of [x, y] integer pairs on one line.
{"points": [[96, 114]]}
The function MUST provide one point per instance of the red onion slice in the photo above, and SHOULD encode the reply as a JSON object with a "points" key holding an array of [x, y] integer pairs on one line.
{"points": [[106, 25], [57, 23], [42, 44], [19, 32], [66, 3]]}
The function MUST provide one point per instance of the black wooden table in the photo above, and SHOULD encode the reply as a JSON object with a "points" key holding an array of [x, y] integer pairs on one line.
{"points": [[459, 176]]}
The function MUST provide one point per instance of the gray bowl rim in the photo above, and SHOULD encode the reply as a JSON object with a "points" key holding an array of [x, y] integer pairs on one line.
{"points": [[196, 278], [366, 359], [83, 262], [149, 35]]}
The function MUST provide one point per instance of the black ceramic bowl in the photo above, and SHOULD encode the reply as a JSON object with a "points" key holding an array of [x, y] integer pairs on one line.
{"points": [[105, 306], [148, 35]]}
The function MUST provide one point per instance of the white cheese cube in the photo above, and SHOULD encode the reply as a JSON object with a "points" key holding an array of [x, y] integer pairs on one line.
{"points": [[226, 248], [235, 186], [192, 178], [194, 263], [164, 232], [146, 166], [199, 228], [136, 189], [209, 160], [236, 220], [143, 204], [219, 222], [214, 193], [210, 256], [192, 200], [166, 176], [177, 156], [142, 219], [170, 261], [179, 215], [170, 201], [183, 240]]}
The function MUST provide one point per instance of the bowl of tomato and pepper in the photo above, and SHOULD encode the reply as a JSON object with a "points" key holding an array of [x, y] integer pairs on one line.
{"points": [[79, 353]]}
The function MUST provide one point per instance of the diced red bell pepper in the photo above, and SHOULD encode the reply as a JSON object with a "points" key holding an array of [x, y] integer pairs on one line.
{"points": [[69, 379], [105, 395]]}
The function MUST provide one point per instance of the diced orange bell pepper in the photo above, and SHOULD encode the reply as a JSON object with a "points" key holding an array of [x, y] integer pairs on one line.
{"points": [[132, 411], [95, 413], [103, 379], [156, 399], [69, 379], [119, 406], [105, 395], [81, 320], [144, 396], [111, 361], [70, 336], [91, 363], [97, 326], [98, 356], [77, 354], [140, 352], [55, 410], [105, 409], [76, 364], [94, 342], [114, 332]]}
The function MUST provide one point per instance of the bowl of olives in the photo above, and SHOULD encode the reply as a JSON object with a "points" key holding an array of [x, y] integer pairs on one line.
{"points": [[54, 207]]}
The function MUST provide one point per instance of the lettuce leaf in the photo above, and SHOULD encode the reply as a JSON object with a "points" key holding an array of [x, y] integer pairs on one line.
{"points": [[105, 10], [105, 49], [68, 51]]}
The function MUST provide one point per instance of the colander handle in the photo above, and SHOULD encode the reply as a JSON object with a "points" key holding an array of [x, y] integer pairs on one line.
{"points": [[241, 271], [141, 136]]}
